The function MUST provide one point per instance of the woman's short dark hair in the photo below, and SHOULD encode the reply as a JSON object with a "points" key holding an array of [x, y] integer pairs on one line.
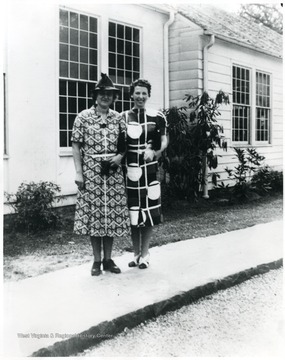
{"points": [[140, 82]]}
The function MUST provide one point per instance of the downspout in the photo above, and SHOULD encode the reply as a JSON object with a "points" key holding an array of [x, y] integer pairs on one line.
{"points": [[166, 58], [205, 84]]}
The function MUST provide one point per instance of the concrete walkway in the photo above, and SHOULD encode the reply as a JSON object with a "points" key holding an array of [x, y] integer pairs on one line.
{"points": [[74, 310]]}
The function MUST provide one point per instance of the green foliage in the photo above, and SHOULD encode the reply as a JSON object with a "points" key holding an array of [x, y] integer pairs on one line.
{"points": [[249, 163], [33, 205], [193, 136]]}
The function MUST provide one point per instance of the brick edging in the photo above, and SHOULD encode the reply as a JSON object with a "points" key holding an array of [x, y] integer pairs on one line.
{"points": [[109, 329]]}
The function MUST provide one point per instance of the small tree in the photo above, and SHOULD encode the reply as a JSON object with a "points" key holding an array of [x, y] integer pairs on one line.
{"points": [[193, 136]]}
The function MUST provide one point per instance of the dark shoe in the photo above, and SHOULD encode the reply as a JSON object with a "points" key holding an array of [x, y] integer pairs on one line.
{"points": [[144, 262], [135, 262], [96, 268], [109, 265]]}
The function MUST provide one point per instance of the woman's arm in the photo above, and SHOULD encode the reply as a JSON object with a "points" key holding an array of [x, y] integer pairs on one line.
{"points": [[79, 181], [164, 143]]}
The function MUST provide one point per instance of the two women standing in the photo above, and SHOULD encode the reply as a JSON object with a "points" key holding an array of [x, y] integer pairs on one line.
{"points": [[101, 138]]}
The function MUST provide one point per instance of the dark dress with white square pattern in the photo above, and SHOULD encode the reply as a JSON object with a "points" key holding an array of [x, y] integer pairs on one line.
{"points": [[101, 207], [144, 127]]}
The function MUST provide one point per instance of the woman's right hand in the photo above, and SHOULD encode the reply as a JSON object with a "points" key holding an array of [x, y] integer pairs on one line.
{"points": [[79, 181]]}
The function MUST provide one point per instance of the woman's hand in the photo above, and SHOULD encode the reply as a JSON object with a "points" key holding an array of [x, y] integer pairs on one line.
{"points": [[149, 155], [79, 181], [115, 161]]}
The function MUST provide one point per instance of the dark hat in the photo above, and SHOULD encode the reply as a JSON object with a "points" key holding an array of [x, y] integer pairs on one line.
{"points": [[105, 83]]}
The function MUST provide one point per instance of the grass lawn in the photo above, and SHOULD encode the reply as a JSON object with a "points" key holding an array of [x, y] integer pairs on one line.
{"points": [[27, 255]]}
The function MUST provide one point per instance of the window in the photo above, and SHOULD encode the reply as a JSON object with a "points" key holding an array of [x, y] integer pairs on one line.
{"points": [[78, 67], [241, 104], [124, 60], [262, 106], [251, 102]]}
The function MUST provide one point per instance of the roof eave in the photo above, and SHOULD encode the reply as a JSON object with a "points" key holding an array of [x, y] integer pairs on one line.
{"points": [[240, 43]]}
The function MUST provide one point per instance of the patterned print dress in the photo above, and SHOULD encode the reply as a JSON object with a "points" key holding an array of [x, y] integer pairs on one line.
{"points": [[144, 127], [101, 207]]}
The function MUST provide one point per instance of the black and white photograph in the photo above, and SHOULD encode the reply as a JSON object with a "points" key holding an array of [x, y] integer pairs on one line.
{"points": [[142, 179]]}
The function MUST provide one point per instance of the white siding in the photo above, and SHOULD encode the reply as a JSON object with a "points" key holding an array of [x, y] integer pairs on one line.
{"points": [[186, 68], [32, 84]]}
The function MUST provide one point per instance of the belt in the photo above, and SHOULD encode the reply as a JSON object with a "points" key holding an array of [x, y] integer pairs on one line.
{"points": [[99, 155]]}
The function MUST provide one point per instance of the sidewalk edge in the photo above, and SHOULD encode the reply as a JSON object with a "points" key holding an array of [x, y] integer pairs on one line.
{"points": [[109, 329]]}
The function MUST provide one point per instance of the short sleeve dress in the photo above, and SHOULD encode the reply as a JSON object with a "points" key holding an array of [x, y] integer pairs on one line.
{"points": [[144, 127], [101, 207]]}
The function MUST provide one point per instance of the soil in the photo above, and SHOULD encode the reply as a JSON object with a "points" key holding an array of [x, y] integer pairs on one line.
{"points": [[32, 254]]}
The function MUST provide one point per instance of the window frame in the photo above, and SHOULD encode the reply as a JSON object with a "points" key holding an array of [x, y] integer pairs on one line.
{"points": [[66, 150], [252, 128], [124, 86]]}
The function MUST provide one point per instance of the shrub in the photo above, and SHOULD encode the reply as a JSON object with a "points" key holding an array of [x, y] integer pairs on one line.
{"points": [[193, 136], [266, 180], [249, 163], [33, 205]]}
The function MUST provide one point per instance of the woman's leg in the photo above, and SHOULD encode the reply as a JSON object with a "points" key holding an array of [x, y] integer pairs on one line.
{"points": [[136, 239], [108, 263], [146, 236], [96, 243], [96, 246], [107, 247]]}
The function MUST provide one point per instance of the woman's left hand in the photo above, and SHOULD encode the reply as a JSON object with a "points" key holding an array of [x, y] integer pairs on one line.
{"points": [[149, 155], [115, 161]]}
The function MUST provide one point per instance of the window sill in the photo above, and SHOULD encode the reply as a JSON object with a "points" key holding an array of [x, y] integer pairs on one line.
{"points": [[5, 157], [65, 152], [251, 145]]}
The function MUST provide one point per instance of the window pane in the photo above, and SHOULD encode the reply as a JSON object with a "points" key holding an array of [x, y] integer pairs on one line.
{"points": [[62, 104], [62, 87], [93, 57], [136, 35], [120, 75], [72, 88], [74, 70], [83, 38], [112, 29], [136, 50], [120, 46], [112, 44], [83, 22], [73, 20], [112, 74], [82, 89], [63, 17], [63, 122], [63, 69], [63, 138], [73, 37], [81, 104], [120, 61], [128, 31], [93, 41], [128, 49], [72, 105], [63, 35], [84, 55], [92, 72], [120, 31], [84, 72], [136, 64], [128, 63], [93, 24], [74, 53], [63, 52], [71, 119], [112, 60]]}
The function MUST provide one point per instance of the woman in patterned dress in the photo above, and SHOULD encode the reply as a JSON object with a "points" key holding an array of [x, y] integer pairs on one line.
{"points": [[98, 144], [146, 139]]}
